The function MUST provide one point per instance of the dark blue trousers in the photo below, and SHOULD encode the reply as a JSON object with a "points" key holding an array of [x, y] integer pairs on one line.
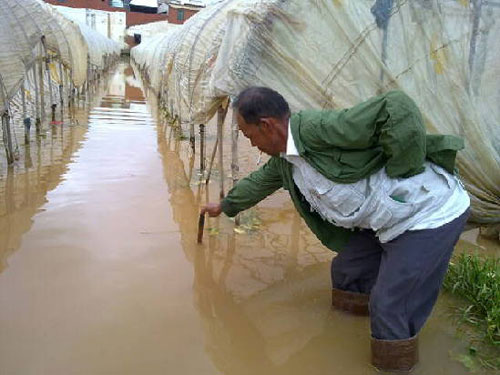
{"points": [[402, 276]]}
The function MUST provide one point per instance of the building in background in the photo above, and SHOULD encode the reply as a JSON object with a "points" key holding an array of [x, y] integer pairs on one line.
{"points": [[144, 6], [179, 11], [111, 24], [112, 18]]}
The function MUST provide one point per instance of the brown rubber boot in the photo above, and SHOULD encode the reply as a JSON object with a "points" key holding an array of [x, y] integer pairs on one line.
{"points": [[351, 302], [395, 355]]}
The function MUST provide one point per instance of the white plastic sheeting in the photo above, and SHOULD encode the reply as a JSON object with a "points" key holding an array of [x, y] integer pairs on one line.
{"points": [[99, 46], [179, 63], [152, 29], [22, 25], [334, 54], [76, 56]]}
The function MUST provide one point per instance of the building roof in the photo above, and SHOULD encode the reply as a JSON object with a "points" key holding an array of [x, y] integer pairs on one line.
{"points": [[145, 3], [187, 3]]}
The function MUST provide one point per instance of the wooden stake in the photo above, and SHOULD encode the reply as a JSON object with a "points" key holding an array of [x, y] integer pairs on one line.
{"points": [[7, 137], [61, 84], [202, 148], [234, 149], [26, 120], [42, 88], [201, 226], [220, 122], [212, 161], [191, 136], [51, 94], [37, 103], [234, 154]]}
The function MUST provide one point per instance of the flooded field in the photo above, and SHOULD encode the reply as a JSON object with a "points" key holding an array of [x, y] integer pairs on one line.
{"points": [[100, 272]]}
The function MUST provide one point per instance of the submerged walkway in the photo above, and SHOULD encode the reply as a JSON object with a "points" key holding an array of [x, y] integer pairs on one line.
{"points": [[105, 276]]}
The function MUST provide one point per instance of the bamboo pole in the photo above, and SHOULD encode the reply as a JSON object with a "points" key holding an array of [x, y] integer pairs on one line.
{"points": [[26, 119], [235, 168], [220, 122], [51, 94], [37, 102], [87, 83], [202, 148], [212, 158], [61, 84], [42, 88], [71, 99], [191, 136], [7, 137], [49, 81]]}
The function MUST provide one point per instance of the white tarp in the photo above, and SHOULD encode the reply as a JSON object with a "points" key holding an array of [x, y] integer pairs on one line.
{"points": [[334, 54], [99, 46], [23, 23], [76, 59], [151, 30]]}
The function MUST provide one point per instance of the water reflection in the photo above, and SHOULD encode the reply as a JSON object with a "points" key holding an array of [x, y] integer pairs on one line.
{"points": [[264, 297], [108, 278], [23, 187]]}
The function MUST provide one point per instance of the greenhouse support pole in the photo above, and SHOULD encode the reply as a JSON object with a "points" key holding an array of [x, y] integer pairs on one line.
{"points": [[26, 119], [220, 123], [51, 94], [191, 135], [61, 84], [37, 101], [202, 148], [71, 96], [7, 137], [87, 86], [212, 158], [235, 168], [42, 89], [49, 81], [234, 149]]}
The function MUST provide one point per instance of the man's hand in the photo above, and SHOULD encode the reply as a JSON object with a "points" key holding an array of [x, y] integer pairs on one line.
{"points": [[213, 209]]}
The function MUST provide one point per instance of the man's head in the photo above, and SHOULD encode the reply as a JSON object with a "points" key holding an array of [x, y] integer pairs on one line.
{"points": [[262, 116]]}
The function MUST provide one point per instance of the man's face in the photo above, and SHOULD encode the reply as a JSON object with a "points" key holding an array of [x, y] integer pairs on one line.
{"points": [[262, 135]]}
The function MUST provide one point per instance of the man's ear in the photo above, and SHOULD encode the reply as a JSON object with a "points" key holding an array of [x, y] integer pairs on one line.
{"points": [[266, 124]]}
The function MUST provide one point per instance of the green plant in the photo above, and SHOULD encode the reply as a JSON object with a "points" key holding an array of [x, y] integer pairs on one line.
{"points": [[477, 280]]}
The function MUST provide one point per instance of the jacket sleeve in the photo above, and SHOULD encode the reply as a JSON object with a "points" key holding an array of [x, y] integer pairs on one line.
{"points": [[252, 189]]}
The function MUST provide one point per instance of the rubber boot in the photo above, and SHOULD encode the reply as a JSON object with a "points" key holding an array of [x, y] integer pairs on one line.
{"points": [[395, 355], [350, 302]]}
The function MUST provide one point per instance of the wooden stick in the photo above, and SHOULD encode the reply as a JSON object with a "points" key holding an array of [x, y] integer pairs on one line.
{"points": [[61, 84], [26, 120], [221, 116], [201, 226], [37, 95], [212, 161], [191, 136], [42, 87], [202, 148], [8, 137], [234, 151]]}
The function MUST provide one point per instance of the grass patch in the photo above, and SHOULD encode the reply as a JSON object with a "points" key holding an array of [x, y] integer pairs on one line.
{"points": [[476, 279]]}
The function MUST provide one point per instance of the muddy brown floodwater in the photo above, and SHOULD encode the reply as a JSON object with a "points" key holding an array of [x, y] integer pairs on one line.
{"points": [[100, 272]]}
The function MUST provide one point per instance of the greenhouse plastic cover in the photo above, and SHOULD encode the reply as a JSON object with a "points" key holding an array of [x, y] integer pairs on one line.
{"points": [[99, 45], [334, 54], [78, 48], [23, 23]]}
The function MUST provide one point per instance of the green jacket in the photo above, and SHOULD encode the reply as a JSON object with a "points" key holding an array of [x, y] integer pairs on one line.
{"points": [[346, 146]]}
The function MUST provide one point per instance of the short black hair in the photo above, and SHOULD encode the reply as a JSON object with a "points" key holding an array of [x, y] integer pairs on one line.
{"points": [[255, 102]]}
